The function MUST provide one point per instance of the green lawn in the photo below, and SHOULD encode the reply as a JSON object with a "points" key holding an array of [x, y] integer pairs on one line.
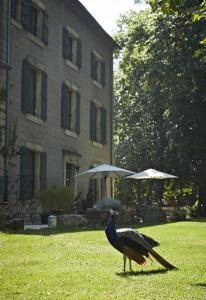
{"points": [[82, 265]]}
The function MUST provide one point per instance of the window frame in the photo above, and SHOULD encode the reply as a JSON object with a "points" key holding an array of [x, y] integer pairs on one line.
{"points": [[34, 76], [22, 17], [98, 74], [72, 51], [69, 158], [74, 110], [96, 132], [37, 162]]}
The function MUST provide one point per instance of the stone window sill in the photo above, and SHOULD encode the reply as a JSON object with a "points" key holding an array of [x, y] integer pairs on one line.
{"points": [[97, 84], [96, 144], [17, 24], [71, 133], [35, 119], [72, 65], [36, 40]]}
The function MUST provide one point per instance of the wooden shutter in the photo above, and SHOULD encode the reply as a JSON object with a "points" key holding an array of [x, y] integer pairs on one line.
{"points": [[26, 13], [66, 43], [93, 121], [13, 8], [65, 105], [45, 29], [77, 113], [103, 126], [27, 104], [93, 67], [103, 74], [79, 53], [26, 173], [2, 185], [43, 174], [44, 96]]}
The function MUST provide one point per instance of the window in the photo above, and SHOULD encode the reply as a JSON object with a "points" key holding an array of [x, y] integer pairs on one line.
{"points": [[16, 9], [70, 110], [97, 69], [34, 20], [70, 170], [97, 123], [97, 186], [32, 172], [34, 90], [72, 48], [32, 16]]}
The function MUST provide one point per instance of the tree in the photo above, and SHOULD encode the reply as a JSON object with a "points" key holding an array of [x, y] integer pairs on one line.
{"points": [[160, 98], [194, 10]]}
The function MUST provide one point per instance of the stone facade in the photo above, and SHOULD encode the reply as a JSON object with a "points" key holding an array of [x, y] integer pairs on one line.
{"points": [[3, 75], [39, 50]]}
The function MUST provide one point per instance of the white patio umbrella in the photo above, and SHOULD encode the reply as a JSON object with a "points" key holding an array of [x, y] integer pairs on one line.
{"points": [[151, 174], [105, 171]]}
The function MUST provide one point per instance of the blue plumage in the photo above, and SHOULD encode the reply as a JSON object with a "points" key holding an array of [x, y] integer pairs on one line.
{"points": [[134, 245]]}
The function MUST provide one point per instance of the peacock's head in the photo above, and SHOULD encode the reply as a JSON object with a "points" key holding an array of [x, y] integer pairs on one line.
{"points": [[113, 213]]}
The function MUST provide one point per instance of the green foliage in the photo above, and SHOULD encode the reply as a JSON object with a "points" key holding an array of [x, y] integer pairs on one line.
{"points": [[194, 10], [108, 203], [81, 264], [56, 198], [180, 195], [160, 102]]}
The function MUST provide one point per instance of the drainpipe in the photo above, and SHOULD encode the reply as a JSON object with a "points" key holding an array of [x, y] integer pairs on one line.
{"points": [[111, 114], [111, 103], [8, 31]]}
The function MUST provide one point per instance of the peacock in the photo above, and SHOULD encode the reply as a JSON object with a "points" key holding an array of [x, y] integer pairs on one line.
{"points": [[133, 245]]}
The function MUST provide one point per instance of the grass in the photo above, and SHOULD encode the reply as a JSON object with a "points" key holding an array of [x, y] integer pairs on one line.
{"points": [[82, 265]]}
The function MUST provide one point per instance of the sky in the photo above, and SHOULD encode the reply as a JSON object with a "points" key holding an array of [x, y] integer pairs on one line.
{"points": [[106, 12]]}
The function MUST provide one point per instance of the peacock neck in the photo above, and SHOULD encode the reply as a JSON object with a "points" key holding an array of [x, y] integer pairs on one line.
{"points": [[112, 235]]}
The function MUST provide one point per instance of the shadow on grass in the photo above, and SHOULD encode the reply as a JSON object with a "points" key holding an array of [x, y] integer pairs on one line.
{"points": [[69, 229], [60, 230], [142, 273], [199, 284]]}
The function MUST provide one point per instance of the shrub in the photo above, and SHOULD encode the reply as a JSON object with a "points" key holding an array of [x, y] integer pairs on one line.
{"points": [[56, 198]]}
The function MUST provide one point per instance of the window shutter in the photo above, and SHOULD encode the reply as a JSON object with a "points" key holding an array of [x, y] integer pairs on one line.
{"points": [[13, 8], [45, 29], [65, 107], [103, 73], [44, 96], [26, 173], [66, 43], [93, 67], [26, 13], [2, 185], [103, 126], [92, 121], [77, 113], [79, 53], [43, 174], [27, 90]]}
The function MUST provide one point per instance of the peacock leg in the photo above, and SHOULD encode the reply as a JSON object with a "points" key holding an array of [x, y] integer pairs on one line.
{"points": [[124, 259], [130, 265]]}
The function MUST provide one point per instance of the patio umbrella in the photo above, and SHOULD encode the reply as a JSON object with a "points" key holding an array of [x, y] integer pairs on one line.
{"points": [[105, 171], [151, 174]]}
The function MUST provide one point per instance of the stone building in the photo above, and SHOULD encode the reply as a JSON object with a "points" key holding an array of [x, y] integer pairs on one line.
{"points": [[60, 92]]}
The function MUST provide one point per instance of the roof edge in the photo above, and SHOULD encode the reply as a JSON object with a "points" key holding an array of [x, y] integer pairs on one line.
{"points": [[81, 10]]}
